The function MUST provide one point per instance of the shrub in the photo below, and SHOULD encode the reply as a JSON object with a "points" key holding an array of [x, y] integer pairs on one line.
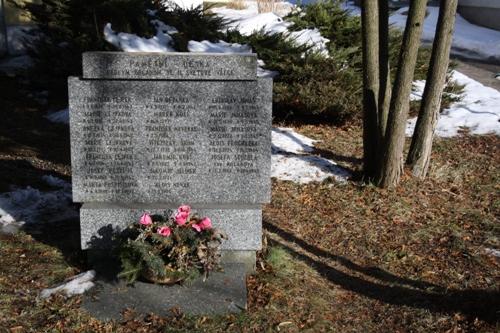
{"points": [[71, 27], [308, 84], [326, 89], [193, 24]]}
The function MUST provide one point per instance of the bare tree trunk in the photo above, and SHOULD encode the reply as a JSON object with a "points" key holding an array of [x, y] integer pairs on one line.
{"points": [[421, 144], [392, 158], [370, 27], [384, 69]]}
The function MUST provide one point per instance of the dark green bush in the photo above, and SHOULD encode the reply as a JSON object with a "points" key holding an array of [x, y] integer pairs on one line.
{"points": [[320, 88], [334, 23], [193, 24], [309, 85], [71, 27]]}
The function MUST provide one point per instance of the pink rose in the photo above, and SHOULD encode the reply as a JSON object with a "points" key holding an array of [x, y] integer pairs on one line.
{"points": [[205, 223], [196, 227], [145, 219], [181, 218], [164, 231], [184, 209]]}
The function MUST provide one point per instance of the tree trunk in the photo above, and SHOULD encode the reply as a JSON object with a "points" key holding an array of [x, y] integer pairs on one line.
{"points": [[384, 99], [392, 158], [370, 33], [421, 144]]}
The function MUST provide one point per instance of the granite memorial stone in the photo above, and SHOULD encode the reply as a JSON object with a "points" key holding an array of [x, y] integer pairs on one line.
{"points": [[151, 131]]}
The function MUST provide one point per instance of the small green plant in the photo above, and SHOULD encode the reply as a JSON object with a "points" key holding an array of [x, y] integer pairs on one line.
{"points": [[169, 250], [279, 260]]}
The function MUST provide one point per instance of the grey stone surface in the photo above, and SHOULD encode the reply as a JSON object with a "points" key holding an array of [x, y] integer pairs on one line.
{"points": [[247, 258], [169, 66], [98, 223], [221, 293], [171, 141]]}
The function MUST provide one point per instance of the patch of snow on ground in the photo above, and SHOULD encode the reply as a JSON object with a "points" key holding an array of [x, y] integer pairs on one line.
{"points": [[291, 161], [162, 42], [479, 111], [224, 47], [219, 47], [418, 90], [186, 4], [76, 286], [248, 21], [312, 38], [18, 37], [31, 205], [61, 116], [287, 140], [262, 72], [468, 39], [351, 7]]}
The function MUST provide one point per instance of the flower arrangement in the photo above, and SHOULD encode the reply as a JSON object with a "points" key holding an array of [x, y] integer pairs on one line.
{"points": [[168, 250]]}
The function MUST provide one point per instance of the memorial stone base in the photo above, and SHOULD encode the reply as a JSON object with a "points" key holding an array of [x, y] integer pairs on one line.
{"points": [[152, 131], [242, 224]]}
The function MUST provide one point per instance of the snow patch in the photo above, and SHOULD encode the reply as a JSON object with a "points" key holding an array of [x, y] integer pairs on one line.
{"points": [[162, 42], [312, 38], [262, 72], [290, 159], [186, 4], [479, 111], [75, 286], [31, 205], [219, 47], [249, 21], [287, 140], [417, 90], [20, 37], [468, 39], [61, 116]]}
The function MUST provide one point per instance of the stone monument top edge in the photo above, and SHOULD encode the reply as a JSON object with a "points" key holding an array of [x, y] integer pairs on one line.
{"points": [[183, 54], [169, 66]]}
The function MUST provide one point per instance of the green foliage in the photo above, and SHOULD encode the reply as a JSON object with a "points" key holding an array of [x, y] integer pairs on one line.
{"points": [[308, 83], [333, 22], [71, 27], [138, 256], [317, 87], [329, 89], [310, 86], [280, 261], [197, 24]]}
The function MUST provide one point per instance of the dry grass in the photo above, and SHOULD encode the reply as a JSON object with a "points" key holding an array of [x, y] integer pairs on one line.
{"points": [[237, 4], [266, 6]]}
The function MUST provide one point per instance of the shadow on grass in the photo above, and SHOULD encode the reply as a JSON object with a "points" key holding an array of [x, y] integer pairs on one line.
{"points": [[391, 289], [24, 130], [63, 235]]}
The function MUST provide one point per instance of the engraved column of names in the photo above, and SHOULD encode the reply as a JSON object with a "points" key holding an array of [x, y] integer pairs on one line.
{"points": [[171, 148], [107, 145], [234, 136]]}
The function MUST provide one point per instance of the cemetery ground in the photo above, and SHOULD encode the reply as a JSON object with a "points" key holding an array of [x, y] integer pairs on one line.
{"points": [[337, 257]]}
